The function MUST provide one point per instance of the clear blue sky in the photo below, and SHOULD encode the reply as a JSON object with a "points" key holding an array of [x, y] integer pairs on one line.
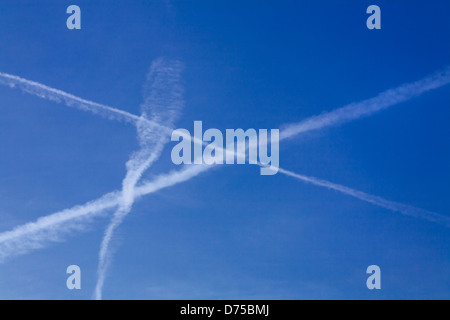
{"points": [[231, 233]]}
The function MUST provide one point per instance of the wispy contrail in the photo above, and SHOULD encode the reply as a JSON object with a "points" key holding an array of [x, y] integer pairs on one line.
{"points": [[162, 104], [24, 236], [375, 200], [367, 107]]}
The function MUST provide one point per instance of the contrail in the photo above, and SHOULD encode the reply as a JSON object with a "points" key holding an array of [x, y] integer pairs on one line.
{"points": [[24, 236], [367, 107], [68, 99], [163, 101], [45, 92], [344, 114], [375, 200], [35, 235]]}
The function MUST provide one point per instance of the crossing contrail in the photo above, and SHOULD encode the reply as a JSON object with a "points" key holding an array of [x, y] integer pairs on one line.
{"points": [[35, 234], [162, 103], [51, 228]]}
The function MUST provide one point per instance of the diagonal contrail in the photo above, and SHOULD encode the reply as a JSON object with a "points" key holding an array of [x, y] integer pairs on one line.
{"points": [[367, 107], [59, 96], [35, 235], [375, 200], [163, 101], [24, 236]]}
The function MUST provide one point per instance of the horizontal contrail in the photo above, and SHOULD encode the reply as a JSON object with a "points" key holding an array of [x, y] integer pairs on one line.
{"points": [[30, 235], [375, 200]]}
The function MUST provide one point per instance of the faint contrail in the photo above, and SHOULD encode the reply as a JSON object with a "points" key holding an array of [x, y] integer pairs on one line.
{"points": [[35, 232], [375, 200], [162, 104]]}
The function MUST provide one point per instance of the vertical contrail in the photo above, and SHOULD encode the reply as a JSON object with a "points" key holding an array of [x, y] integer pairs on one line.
{"points": [[162, 104]]}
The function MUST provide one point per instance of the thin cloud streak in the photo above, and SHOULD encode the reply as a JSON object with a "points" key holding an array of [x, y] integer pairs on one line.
{"points": [[367, 107], [375, 200], [59, 96]]}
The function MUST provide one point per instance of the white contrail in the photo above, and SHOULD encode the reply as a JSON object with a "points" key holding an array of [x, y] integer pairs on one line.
{"points": [[35, 235], [367, 107], [111, 113], [375, 200], [12, 242], [344, 114], [163, 101], [68, 99]]}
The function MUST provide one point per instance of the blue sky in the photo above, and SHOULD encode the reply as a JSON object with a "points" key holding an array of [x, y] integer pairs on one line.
{"points": [[230, 233]]}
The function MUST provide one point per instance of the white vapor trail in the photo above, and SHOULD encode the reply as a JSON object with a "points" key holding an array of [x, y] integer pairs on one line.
{"points": [[70, 100], [111, 113], [375, 200], [163, 101], [367, 107], [35, 234]]}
